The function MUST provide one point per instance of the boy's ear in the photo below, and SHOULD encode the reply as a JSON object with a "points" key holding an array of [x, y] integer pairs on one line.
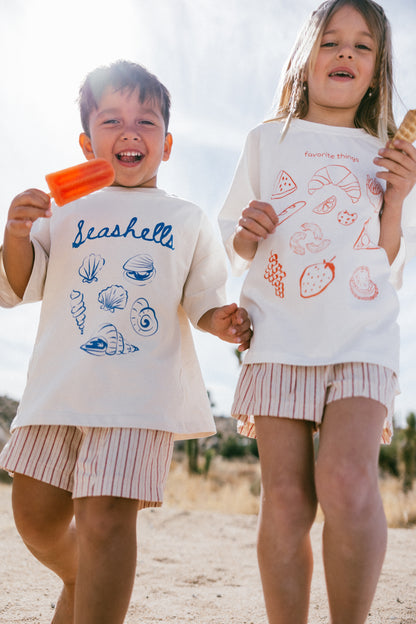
{"points": [[86, 146], [168, 146]]}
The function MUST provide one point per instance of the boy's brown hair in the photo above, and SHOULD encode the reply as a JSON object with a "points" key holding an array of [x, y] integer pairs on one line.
{"points": [[121, 75]]}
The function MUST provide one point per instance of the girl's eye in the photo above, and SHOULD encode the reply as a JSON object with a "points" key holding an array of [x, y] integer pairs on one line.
{"points": [[329, 44], [362, 46]]}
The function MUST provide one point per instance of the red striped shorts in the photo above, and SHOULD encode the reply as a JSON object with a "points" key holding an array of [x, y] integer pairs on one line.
{"points": [[93, 461], [301, 392]]}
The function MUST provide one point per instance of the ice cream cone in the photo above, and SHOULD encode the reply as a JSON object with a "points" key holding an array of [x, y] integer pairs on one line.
{"points": [[407, 129]]}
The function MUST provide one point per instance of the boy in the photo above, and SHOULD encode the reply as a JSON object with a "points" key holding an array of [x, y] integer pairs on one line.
{"points": [[114, 376]]}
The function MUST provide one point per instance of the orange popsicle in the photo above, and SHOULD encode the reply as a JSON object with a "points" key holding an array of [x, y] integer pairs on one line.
{"points": [[74, 182]]}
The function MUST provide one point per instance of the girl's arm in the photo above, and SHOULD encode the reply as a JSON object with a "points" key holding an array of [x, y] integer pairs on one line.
{"points": [[257, 221], [18, 253], [400, 178]]}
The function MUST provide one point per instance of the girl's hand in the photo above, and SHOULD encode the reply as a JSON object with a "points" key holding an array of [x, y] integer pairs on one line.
{"points": [[26, 208], [401, 172], [257, 221]]}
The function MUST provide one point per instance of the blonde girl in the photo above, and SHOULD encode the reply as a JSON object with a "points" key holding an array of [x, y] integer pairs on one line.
{"points": [[319, 213]]}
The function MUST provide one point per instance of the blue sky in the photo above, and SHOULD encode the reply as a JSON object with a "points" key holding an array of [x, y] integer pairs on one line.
{"points": [[221, 61]]}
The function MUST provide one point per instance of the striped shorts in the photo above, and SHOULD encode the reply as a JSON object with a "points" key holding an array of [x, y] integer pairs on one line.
{"points": [[302, 392], [93, 461]]}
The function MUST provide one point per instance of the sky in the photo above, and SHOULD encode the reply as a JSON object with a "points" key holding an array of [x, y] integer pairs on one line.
{"points": [[221, 61]]}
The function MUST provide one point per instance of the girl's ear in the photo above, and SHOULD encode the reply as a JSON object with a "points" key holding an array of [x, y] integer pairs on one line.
{"points": [[86, 146]]}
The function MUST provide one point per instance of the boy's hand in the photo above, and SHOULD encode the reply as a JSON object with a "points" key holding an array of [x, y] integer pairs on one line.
{"points": [[257, 221], [24, 210], [230, 323]]}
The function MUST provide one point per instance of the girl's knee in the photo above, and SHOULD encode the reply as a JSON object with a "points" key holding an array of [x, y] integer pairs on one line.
{"points": [[346, 491], [289, 504]]}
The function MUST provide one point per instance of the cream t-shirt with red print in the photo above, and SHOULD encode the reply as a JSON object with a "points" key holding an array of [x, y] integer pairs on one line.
{"points": [[319, 290]]}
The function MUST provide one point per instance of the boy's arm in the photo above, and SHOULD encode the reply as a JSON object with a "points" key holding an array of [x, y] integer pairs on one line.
{"points": [[18, 255], [230, 323]]}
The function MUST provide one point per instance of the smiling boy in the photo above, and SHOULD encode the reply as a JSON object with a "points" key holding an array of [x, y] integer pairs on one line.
{"points": [[114, 377]]}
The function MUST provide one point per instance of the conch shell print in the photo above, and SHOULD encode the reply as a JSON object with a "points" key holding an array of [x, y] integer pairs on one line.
{"points": [[108, 341], [78, 308], [91, 265], [140, 269], [113, 298], [143, 318]]}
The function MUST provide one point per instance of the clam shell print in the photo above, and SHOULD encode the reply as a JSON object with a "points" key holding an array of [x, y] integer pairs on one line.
{"points": [[108, 341], [140, 269], [113, 298], [143, 318]]}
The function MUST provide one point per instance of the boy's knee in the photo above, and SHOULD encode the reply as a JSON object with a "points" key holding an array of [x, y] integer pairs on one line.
{"points": [[104, 519]]}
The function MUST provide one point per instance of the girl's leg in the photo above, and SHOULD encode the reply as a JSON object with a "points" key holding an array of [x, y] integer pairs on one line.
{"points": [[106, 528], [355, 532], [44, 518], [288, 508]]}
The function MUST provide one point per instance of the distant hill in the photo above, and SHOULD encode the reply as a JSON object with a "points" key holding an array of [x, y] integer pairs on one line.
{"points": [[8, 408]]}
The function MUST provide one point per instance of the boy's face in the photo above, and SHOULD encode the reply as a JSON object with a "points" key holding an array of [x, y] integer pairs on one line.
{"points": [[129, 135]]}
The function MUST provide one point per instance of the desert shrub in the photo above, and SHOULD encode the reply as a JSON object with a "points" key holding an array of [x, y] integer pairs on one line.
{"points": [[233, 446]]}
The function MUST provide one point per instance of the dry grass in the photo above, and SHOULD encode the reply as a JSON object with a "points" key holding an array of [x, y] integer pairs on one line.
{"points": [[234, 487]]}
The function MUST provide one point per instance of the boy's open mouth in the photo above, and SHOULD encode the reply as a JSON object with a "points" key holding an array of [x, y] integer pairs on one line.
{"points": [[129, 156]]}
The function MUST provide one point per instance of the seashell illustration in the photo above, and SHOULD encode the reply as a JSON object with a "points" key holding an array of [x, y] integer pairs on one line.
{"points": [[112, 298], [78, 308], [143, 318], [108, 341], [91, 265], [140, 269]]}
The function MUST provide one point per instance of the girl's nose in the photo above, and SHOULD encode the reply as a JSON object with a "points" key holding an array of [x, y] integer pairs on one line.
{"points": [[345, 52]]}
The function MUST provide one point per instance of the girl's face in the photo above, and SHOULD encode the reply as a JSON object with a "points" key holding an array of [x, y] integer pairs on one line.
{"points": [[343, 71]]}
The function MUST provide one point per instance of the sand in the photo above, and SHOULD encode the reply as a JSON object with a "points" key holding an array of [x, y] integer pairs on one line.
{"points": [[197, 567]]}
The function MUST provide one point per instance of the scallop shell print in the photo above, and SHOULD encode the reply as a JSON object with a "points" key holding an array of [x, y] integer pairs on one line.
{"points": [[91, 265], [108, 341], [113, 298], [143, 318], [140, 269], [78, 308]]}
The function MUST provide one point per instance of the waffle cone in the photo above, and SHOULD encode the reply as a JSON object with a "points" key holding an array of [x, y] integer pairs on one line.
{"points": [[407, 129]]}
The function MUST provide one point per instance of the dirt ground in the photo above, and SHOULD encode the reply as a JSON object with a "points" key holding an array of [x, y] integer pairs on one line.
{"points": [[197, 567]]}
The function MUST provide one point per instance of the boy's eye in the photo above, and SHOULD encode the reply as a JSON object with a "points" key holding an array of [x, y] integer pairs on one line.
{"points": [[146, 122], [110, 121]]}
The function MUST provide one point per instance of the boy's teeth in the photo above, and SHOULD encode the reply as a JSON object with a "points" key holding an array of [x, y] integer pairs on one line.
{"points": [[130, 156]]}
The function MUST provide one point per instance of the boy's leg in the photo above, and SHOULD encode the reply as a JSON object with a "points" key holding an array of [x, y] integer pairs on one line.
{"points": [[288, 508], [44, 518], [355, 532], [106, 529]]}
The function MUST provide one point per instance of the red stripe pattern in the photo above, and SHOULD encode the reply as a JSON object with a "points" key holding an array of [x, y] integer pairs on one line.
{"points": [[93, 461], [301, 392]]}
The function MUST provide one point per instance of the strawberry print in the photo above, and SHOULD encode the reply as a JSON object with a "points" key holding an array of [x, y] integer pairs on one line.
{"points": [[275, 275], [316, 277]]}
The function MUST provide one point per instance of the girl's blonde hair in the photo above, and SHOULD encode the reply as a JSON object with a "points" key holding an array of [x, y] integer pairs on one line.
{"points": [[375, 113]]}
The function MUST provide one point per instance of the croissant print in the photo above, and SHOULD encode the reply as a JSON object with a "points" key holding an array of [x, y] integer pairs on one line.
{"points": [[339, 176]]}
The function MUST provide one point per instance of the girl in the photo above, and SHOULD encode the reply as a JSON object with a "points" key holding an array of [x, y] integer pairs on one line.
{"points": [[318, 212]]}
